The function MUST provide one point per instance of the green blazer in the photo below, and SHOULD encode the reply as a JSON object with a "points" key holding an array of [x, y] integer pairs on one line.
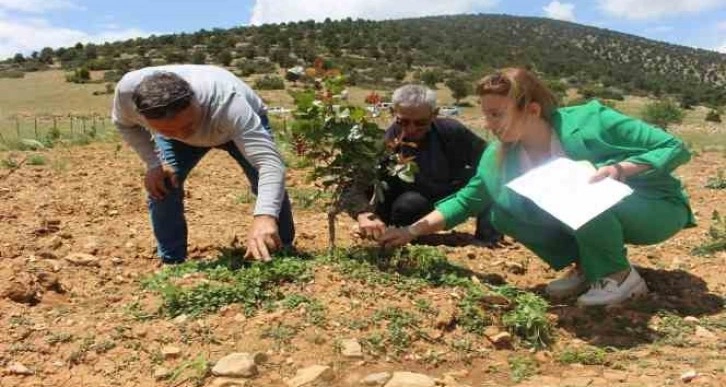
{"points": [[591, 132]]}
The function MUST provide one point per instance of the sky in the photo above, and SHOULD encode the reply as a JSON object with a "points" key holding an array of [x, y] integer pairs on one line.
{"points": [[30, 25]]}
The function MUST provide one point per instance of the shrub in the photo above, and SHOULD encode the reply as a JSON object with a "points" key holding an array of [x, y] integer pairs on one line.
{"points": [[112, 75], [12, 74], [270, 82], [662, 113], [589, 92], [79, 75], [713, 116]]}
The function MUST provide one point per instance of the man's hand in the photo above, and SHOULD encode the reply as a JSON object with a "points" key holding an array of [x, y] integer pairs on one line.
{"points": [[370, 226], [155, 181], [263, 238], [396, 237]]}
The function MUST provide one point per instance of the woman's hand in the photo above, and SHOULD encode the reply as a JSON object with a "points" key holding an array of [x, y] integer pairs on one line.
{"points": [[396, 237], [614, 171], [619, 171]]}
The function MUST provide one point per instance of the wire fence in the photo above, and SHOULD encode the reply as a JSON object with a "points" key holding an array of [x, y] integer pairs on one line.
{"points": [[53, 127]]}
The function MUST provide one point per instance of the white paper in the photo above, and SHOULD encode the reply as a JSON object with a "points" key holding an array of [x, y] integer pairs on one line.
{"points": [[562, 188]]}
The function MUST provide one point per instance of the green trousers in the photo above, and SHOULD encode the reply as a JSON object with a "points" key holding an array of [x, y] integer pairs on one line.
{"points": [[599, 245]]}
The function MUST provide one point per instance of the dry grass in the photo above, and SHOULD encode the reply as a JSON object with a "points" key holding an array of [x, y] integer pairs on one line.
{"points": [[47, 93]]}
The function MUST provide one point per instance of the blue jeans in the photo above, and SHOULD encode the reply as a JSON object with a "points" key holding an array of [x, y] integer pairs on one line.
{"points": [[265, 121], [167, 214]]}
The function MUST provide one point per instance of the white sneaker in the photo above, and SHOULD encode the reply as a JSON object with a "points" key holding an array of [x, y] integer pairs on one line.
{"points": [[607, 291], [571, 284]]}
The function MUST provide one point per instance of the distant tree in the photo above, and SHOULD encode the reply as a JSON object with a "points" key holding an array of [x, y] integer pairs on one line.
{"points": [[270, 82], [18, 58], [662, 113], [46, 55], [558, 88], [408, 60], [112, 76], [460, 88], [688, 100], [247, 52], [90, 51], [175, 56], [430, 78], [79, 75], [68, 56], [224, 58], [713, 116], [306, 51], [199, 57], [282, 57]]}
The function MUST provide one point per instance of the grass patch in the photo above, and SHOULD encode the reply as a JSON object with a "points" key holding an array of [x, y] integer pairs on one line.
{"points": [[718, 182], [717, 236], [704, 141], [37, 159], [194, 371], [585, 356], [281, 334], [58, 338], [402, 328], [221, 283], [10, 162], [315, 312], [414, 267], [246, 197], [521, 367], [529, 320], [195, 288], [308, 198], [672, 330]]}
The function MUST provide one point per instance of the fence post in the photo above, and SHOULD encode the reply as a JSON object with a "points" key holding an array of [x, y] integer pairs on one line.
{"points": [[35, 127], [83, 120], [71, 117]]}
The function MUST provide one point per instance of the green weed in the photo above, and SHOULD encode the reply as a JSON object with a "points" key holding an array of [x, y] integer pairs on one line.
{"points": [[586, 356], [521, 367]]}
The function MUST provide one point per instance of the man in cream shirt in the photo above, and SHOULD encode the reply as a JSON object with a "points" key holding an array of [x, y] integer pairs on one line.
{"points": [[172, 116]]}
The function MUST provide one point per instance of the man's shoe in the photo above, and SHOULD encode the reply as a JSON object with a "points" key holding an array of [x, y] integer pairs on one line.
{"points": [[607, 291], [571, 284]]}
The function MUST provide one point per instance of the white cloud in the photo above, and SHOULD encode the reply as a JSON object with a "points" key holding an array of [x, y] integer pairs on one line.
{"points": [[560, 11], [32, 34], [721, 49], [721, 26], [277, 11], [656, 9], [37, 6]]}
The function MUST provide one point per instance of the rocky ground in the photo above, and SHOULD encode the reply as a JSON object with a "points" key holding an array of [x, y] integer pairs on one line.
{"points": [[85, 303]]}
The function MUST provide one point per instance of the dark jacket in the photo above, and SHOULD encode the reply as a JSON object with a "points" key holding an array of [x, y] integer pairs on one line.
{"points": [[447, 158]]}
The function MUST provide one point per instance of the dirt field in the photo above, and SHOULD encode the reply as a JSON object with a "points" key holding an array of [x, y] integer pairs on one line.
{"points": [[94, 319]]}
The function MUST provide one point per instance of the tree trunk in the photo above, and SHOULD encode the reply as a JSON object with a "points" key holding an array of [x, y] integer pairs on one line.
{"points": [[331, 228]]}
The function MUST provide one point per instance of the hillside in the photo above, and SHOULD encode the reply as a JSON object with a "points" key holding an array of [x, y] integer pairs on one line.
{"points": [[376, 53]]}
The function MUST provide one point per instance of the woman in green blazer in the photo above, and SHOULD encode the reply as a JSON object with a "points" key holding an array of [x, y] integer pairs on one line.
{"points": [[521, 112]]}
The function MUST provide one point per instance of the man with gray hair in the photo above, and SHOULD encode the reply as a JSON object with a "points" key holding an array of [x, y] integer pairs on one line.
{"points": [[446, 153], [172, 116]]}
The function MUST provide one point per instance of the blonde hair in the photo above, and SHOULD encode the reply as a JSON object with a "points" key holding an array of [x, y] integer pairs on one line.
{"points": [[523, 87]]}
